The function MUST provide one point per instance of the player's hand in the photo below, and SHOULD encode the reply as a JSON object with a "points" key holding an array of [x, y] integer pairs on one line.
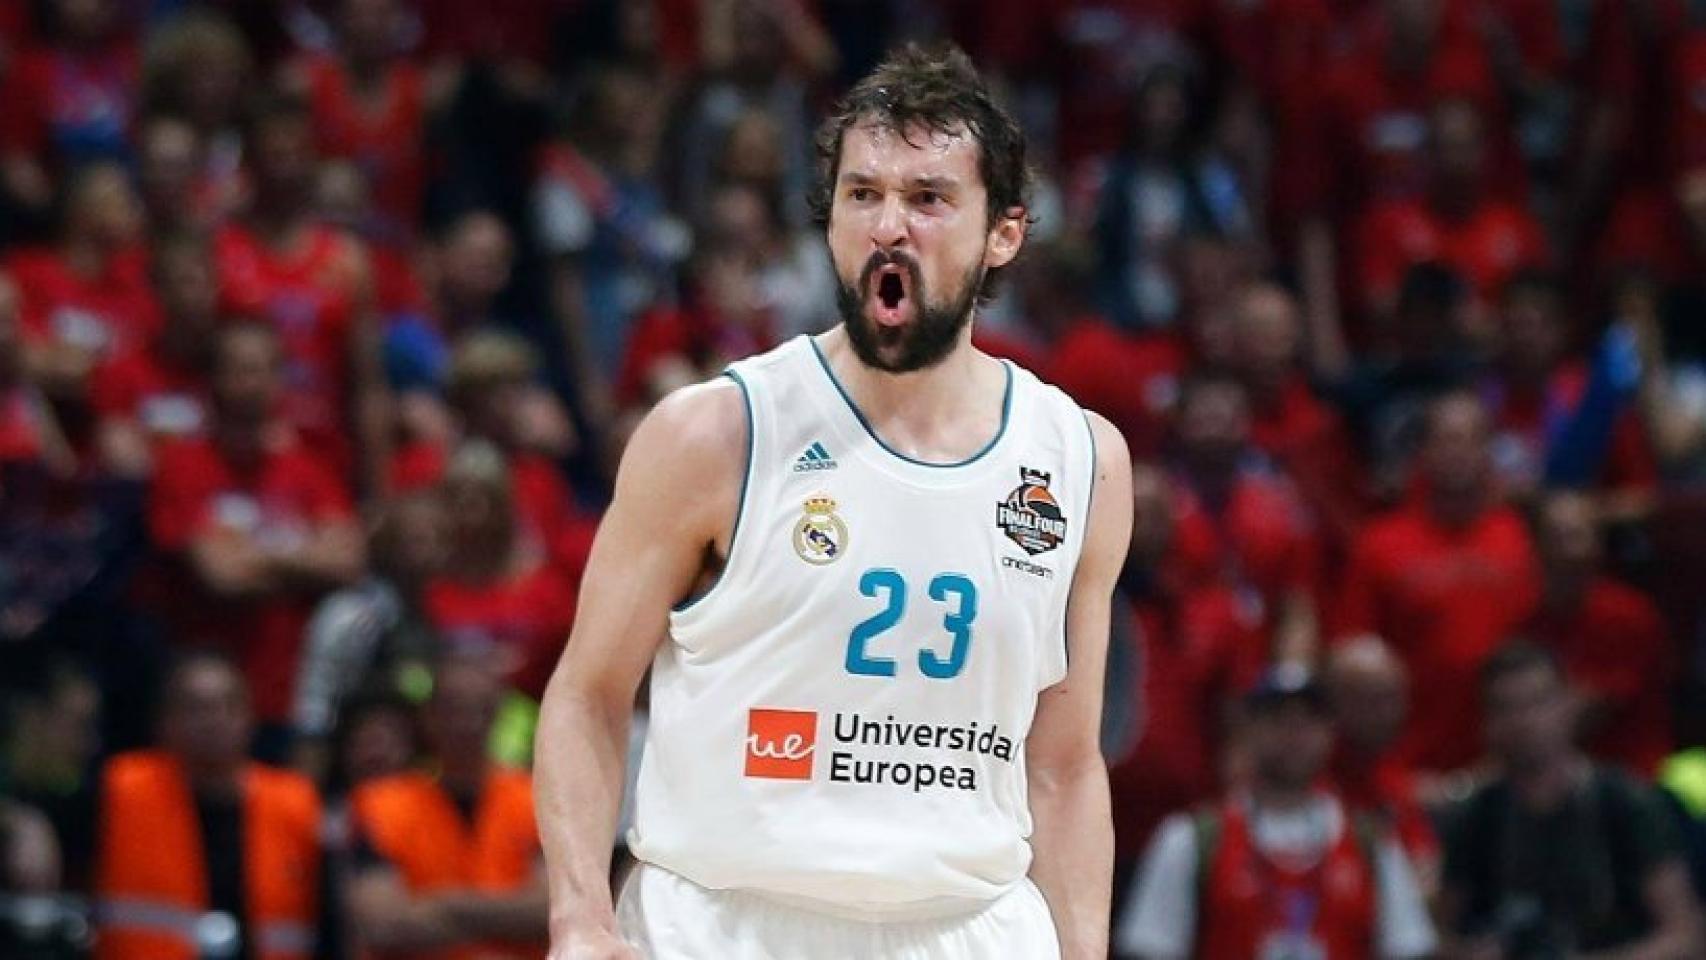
{"points": [[592, 945]]}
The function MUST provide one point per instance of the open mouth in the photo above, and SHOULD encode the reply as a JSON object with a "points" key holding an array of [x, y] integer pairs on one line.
{"points": [[891, 295]]}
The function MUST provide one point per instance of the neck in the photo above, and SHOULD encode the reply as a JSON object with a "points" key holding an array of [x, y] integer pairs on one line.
{"points": [[921, 405], [1456, 508], [1565, 587], [1212, 478], [1281, 797], [241, 443], [84, 256], [1454, 204], [213, 780], [1266, 391], [459, 312], [1547, 784], [463, 774], [487, 565], [365, 70], [276, 218], [182, 345]]}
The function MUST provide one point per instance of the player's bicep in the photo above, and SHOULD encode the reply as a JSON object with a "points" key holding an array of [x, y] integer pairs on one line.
{"points": [[677, 494], [1069, 713]]}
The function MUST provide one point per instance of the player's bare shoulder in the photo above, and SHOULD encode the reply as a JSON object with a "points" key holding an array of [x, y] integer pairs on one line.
{"points": [[1113, 457], [688, 457], [1110, 502]]}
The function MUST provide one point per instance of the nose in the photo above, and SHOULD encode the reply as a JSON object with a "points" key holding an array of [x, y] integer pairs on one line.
{"points": [[889, 229]]}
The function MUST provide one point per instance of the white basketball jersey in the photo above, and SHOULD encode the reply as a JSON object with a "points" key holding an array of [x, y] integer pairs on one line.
{"points": [[841, 718]]}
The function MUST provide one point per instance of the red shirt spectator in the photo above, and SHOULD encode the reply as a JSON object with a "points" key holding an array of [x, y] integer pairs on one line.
{"points": [[1685, 131], [20, 425], [492, 31], [550, 523], [1614, 647], [379, 129], [1445, 597], [308, 291], [1240, 524], [1533, 32], [278, 500], [1486, 246], [496, 590], [258, 523], [1191, 658], [106, 311], [70, 103], [1369, 693], [1610, 639], [1308, 439], [1280, 49], [21, 413], [167, 400], [525, 615], [1377, 108], [1647, 230], [1445, 580], [1106, 47], [1288, 422], [671, 348], [16, 26], [1536, 390], [1262, 538], [1527, 420], [1131, 380]]}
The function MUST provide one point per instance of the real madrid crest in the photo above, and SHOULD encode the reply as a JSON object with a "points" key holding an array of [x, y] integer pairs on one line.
{"points": [[820, 537]]}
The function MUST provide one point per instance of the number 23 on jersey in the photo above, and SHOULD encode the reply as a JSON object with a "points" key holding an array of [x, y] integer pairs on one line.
{"points": [[953, 591]]}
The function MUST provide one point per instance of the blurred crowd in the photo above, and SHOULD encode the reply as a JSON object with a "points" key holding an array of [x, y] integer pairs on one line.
{"points": [[323, 323]]}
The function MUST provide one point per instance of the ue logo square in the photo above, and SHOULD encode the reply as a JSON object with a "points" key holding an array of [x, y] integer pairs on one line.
{"points": [[780, 743]]}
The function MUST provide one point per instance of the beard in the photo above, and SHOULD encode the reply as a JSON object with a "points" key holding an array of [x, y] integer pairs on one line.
{"points": [[922, 343]]}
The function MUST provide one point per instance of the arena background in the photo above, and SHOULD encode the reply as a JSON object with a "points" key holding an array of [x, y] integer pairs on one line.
{"points": [[485, 237]]}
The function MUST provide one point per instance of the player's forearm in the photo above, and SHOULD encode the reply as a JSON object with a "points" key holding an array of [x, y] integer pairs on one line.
{"points": [[579, 758], [1072, 844]]}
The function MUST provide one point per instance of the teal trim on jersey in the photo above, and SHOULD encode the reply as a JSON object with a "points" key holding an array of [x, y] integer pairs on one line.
{"points": [[1089, 502], [1091, 431], [740, 508], [1006, 409]]}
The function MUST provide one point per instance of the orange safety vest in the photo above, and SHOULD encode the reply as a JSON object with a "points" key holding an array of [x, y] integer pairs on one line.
{"points": [[151, 875], [414, 824]]}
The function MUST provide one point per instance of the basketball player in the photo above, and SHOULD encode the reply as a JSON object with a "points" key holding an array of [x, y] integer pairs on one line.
{"points": [[871, 573]]}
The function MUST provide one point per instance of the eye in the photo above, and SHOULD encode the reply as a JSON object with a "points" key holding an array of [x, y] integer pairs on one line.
{"points": [[928, 198], [861, 194]]}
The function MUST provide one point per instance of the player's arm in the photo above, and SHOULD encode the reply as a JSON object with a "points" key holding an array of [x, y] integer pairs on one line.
{"points": [[1073, 839], [677, 494]]}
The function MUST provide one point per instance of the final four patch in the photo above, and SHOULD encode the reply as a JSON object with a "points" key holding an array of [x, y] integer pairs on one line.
{"points": [[1030, 516]]}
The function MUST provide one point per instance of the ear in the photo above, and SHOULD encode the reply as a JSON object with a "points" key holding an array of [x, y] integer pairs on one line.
{"points": [[1005, 238]]}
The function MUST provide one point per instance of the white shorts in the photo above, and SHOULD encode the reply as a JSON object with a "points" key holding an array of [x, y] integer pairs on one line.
{"points": [[667, 917]]}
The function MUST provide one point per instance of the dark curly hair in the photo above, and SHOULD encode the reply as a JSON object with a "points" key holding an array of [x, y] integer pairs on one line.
{"points": [[937, 90]]}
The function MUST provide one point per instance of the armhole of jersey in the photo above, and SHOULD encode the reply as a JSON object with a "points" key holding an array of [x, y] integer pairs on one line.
{"points": [[1089, 501], [740, 506]]}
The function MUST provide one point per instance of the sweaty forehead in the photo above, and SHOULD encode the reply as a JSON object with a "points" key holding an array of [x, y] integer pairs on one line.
{"points": [[881, 151]]}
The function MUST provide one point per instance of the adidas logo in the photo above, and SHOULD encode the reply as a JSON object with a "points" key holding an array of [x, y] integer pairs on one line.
{"points": [[815, 458]]}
